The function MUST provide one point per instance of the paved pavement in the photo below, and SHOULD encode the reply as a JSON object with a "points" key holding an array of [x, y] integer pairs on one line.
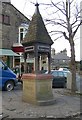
{"points": [[66, 105]]}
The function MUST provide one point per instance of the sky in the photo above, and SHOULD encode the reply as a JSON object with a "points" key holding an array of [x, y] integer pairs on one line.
{"points": [[28, 8]]}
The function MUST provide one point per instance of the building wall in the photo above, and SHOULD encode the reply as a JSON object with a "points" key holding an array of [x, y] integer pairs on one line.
{"points": [[0, 25], [10, 32], [60, 60]]}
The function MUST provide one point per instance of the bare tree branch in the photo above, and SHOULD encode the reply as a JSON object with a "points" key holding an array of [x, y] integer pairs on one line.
{"points": [[57, 32], [55, 23], [71, 2], [77, 28], [65, 36], [58, 37], [71, 23], [58, 7]]}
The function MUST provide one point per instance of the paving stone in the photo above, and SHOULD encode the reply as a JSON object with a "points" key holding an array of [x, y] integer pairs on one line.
{"points": [[66, 106]]}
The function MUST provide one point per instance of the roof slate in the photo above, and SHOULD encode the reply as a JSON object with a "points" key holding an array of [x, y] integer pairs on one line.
{"points": [[37, 31], [61, 56]]}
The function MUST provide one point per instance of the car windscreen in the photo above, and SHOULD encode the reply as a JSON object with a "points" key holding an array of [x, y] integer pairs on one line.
{"points": [[60, 73], [54, 73], [57, 73]]}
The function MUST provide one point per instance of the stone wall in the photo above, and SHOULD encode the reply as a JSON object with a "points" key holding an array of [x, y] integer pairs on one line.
{"points": [[0, 25], [10, 31]]}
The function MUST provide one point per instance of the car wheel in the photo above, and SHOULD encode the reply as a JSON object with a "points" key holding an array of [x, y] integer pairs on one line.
{"points": [[9, 86]]}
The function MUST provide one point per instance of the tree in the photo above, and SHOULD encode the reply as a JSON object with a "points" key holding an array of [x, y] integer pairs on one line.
{"points": [[70, 23]]}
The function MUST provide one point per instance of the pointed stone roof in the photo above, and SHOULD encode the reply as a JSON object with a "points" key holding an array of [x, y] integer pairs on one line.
{"points": [[37, 32]]}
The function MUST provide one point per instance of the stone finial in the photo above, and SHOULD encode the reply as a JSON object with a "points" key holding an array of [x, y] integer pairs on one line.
{"points": [[37, 9]]}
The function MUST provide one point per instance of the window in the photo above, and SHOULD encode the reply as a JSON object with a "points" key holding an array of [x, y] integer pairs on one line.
{"points": [[6, 19], [22, 32]]}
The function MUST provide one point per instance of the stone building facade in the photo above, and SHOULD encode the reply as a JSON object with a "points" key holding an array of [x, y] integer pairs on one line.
{"points": [[0, 25], [60, 59], [11, 20]]}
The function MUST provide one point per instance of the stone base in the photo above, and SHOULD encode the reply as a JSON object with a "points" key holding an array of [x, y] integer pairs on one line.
{"points": [[37, 89]]}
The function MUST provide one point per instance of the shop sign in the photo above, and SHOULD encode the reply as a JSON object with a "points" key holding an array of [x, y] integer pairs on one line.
{"points": [[30, 48], [44, 48]]}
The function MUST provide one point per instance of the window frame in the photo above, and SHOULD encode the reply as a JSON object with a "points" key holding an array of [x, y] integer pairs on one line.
{"points": [[5, 19]]}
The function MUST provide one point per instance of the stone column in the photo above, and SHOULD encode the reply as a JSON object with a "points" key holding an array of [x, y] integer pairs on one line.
{"points": [[49, 62], [36, 62], [40, 62], [25, 64]]}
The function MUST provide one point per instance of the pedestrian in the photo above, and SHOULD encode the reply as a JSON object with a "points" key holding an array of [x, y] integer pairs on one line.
{"points": [[22, 69]]}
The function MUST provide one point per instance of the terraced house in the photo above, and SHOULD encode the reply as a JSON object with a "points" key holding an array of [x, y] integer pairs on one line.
{"points": [[13, 27]]}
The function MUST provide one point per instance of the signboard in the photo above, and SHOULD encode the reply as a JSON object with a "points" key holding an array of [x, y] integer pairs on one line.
{"points": [[30, 48], [43, 48]]}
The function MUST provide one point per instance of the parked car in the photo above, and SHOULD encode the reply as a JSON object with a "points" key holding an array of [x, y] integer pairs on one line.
{"points": [[65, 70], [59, 79], [8, 79]]}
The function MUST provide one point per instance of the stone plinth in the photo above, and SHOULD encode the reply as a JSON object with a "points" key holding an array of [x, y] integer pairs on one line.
{"points": [[37, 89], [69, 81]]}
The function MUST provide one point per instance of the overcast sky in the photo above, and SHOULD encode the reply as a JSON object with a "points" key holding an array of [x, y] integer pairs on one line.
{"points": [[28, 9]]}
